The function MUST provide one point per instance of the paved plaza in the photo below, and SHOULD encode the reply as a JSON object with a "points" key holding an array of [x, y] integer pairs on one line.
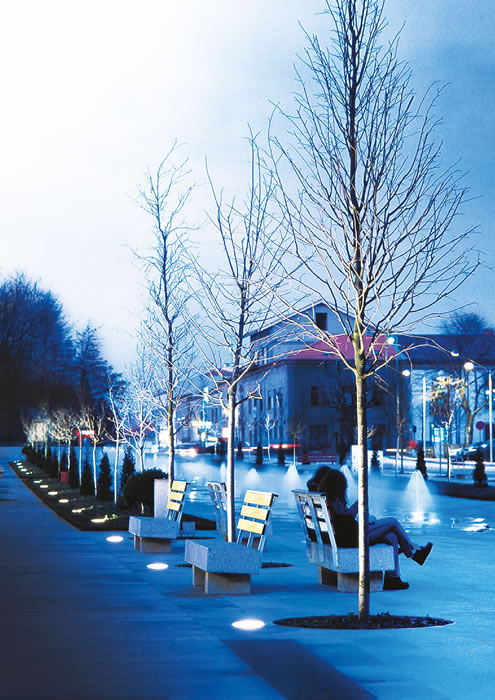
{"points": [[84, 618]]}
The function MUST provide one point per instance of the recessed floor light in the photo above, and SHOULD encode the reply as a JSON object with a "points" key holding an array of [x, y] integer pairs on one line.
{"points": [[248, 624], [115, 538], [63, 500], [157, 566]]}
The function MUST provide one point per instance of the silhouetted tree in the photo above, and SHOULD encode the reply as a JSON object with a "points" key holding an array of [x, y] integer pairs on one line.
{"points": [[104, 481], [87, 487]]}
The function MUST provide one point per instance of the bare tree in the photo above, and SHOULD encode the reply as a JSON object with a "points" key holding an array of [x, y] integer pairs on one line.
{"points": [[61, 428], [447, 393], [372, 213], [164, 197], [117, 401], [139, 415], [93, 424], [236, 298]]}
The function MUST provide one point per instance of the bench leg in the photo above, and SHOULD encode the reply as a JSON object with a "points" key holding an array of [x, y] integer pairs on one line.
{"points": [[229, 584], [327, 577], [198, 577], [349, 583], [154, 545]]}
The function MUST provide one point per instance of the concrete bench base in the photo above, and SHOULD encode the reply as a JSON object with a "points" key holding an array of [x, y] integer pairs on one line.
{"points": [[155, 535], [346, 575], [222, 567]]}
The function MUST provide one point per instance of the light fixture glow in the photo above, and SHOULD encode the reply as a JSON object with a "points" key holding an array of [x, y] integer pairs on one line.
{"points": [[52, 493], [157, 566], [468, 366], [63, 500], [97, 520], [248, 624], [115, 538], [44, 486]]}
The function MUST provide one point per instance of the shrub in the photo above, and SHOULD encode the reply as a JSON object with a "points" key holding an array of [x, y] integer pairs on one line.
{"points": [[104, 481], [73, 470], [128, 467], [479, 473], [375, 463], [259, 454], [87, 487], [421, 463], [240, 453], [281, 456], [64, 463], [139, 489], [52, 463]]}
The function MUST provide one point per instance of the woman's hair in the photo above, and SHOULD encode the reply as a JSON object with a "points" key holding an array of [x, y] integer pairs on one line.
{"points": [[314, 483], [334, 484]]}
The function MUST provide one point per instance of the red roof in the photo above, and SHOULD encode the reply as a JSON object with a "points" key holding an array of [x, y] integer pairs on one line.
{"points": [[342, 345]]}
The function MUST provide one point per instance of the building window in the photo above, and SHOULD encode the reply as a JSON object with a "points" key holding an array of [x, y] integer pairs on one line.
{"points": [[318, 396], [321, 321], [318, 436]]}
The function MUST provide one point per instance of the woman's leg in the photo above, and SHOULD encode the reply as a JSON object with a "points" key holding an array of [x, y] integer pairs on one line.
{"points": [[379, 529], [391, 538]]}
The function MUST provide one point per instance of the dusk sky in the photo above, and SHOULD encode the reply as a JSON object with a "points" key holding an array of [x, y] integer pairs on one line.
{"points": [[94, 93]]}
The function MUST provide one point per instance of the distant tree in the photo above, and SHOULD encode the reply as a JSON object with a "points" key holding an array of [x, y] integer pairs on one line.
{"points": [[479, 473], [104, 481], [421, 462], [240, 452], [87, 486], [375, 462], [280, 456], [259, 454], [128, 467], [73, 470]]}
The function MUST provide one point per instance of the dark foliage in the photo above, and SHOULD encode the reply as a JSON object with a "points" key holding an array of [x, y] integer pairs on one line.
{"points": [[139, 489], [52, 466], [259, 454], [73, 470], [421, 462], [64, 463], [240, 453], [104, 481], [375, 463], [87, 487], [479, 473], [281, 456], [128, 467]]}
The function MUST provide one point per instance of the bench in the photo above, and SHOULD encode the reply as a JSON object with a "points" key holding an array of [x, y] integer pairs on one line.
{"points": [[218, 495], [312, 459], [226, 567], [155, 534], [337, 565]]}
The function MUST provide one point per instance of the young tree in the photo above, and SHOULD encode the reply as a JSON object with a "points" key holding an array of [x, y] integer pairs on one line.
{"points": [[371, 211], [236, 299], [117, 401], [139, 416], [104, 481], [164, 197], [128, 467]]}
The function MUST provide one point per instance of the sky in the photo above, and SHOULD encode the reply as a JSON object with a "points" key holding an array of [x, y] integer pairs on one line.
{"points": [[94, 93]]}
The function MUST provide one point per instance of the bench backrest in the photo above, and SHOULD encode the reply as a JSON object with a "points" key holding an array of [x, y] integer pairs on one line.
{"points": [[218, 495], [315, 521], [176, 499], [255, 515]]}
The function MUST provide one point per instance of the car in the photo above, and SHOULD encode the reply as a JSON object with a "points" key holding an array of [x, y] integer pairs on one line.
{"points": [[469, 452]]}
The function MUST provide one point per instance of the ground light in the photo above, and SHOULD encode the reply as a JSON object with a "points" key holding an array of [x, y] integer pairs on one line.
{"points": [[98, 520], [157, 566], [44, 486], [248, 624], [115, 538], [63, 500], [52, 493]]}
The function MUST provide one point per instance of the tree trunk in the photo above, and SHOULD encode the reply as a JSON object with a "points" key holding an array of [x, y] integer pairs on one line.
{"points": [[230, 467], [116, 470], [363, 512], [94, 464]]}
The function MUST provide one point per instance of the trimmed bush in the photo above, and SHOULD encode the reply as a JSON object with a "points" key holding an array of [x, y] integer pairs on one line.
{"points": [[421, 463], [87, 487], [259, 454], [128, 467], [375, 463], [281, 456], [104, 481], [73, 470], [240, 453], [479, 473], [139, 489]]}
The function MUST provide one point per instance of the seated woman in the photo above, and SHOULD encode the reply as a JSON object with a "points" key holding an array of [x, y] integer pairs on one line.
{"points": [[314, 482], [386, 530]]}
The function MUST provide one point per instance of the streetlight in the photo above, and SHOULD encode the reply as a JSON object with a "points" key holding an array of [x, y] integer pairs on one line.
{"points": [[468, 366]]}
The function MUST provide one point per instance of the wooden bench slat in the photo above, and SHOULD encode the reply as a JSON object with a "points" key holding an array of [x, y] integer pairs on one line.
{"points": [[172, 505], [250, 526], [260, 498], [178, 485], [253, 512]]}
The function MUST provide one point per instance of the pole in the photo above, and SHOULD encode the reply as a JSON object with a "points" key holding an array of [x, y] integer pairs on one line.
{"points": [[424, 415]]}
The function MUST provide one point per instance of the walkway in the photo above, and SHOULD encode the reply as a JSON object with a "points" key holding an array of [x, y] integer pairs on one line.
{"points": [[83, 618]]}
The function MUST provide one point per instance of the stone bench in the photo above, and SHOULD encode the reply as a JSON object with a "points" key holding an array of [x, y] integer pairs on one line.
{"points": [[155, 534], [337, 565], [227, 567]]}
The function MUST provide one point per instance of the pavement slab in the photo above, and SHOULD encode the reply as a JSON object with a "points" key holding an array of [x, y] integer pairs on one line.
{"points": [[83, 618]]}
